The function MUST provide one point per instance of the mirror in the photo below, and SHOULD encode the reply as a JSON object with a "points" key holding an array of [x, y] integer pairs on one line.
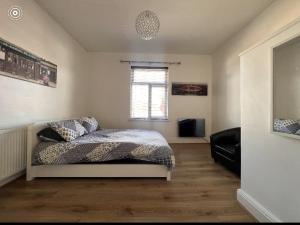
{"points": [[286, 88]]}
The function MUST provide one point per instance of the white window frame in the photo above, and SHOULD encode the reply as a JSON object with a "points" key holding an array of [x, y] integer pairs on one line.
{"points": [[150, 85]]}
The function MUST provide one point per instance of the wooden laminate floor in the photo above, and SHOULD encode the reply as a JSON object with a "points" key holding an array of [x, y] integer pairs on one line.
{"points": [[200, 191]]}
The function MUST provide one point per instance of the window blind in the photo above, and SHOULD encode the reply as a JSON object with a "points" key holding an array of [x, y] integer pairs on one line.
{"points": [[149, 92]]}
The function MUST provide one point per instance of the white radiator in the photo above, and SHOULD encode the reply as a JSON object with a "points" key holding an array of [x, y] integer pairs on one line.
{"points": [[12, 153]]}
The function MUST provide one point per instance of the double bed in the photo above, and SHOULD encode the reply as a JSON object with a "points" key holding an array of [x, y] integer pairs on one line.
{"points": [[102, 153]]}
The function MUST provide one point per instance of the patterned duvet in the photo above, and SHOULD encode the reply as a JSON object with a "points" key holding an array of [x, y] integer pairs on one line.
{"points": [[107, 145]]}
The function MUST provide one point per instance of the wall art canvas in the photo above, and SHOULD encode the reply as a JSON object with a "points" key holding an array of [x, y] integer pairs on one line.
{"points": [[18, 63], [189, 89]]}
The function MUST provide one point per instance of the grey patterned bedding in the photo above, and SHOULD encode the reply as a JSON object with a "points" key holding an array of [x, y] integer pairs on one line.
{"points": [[107, 145]]}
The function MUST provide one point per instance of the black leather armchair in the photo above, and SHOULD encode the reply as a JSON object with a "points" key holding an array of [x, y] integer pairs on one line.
{"points": [[226, 148]]}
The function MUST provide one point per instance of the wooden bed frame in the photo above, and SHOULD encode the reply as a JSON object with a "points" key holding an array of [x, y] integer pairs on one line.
{"points": [[87, 170]]}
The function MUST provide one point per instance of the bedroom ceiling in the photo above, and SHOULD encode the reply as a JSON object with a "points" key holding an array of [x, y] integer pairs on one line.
{"points": [[186, 26]]}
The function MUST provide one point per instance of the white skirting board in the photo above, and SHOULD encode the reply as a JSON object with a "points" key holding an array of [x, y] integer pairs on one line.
{"points": [[188, 140], [256, 209], [11, 178]]}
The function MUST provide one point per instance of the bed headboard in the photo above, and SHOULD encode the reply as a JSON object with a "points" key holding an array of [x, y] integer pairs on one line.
{"points": [[32, 139]]}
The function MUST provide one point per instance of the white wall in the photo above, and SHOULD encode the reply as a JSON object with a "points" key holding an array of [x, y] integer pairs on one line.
{"points": [[287, 81], [226, 65], [110, 91], [22, 102], [270, 163]]}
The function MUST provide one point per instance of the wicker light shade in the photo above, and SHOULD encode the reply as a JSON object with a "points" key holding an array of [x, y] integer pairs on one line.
{"points": [[147, 25]]}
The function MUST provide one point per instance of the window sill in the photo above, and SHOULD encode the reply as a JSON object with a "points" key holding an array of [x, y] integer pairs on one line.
{"points": [[149, 120]]}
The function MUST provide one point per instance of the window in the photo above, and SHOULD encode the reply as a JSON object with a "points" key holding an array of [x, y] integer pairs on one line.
{"points": [[149, 93]]}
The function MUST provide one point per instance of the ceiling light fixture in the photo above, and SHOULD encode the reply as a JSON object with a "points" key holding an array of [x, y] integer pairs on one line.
{"points": [[147, 25]]}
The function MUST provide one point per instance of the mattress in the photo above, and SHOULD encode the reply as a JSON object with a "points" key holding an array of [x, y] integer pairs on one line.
{"points": [[107, 146]]}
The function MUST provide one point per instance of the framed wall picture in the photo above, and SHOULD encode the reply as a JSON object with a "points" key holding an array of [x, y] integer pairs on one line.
{"points": [[18, 63], [189, 89]]}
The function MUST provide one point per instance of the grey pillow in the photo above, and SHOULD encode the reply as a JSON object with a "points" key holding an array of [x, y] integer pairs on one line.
{"points": [[89, 123], [48, 134], [286, 125], [293, 128], [68, 129]]}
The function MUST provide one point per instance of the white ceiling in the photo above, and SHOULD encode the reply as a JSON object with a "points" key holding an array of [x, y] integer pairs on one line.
{"points": [[186, 26]]}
